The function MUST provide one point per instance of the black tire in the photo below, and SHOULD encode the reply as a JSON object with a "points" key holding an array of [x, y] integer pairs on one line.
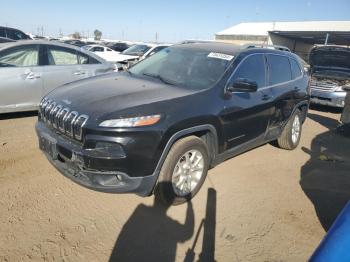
{"points": [[164, 190], [285, 141]]}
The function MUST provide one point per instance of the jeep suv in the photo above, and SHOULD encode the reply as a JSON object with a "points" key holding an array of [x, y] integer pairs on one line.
{"points": [[159, 127], [330, 69]]}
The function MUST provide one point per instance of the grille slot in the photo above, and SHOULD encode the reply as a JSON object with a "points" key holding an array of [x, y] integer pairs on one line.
{"points": [[62, 119]]}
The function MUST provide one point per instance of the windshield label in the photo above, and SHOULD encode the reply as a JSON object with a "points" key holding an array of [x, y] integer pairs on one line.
{"points": [[220, 56]]}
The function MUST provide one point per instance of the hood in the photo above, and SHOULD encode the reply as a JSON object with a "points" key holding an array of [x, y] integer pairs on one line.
{"points": [[122, 57], [330, 57], [116, 95]]}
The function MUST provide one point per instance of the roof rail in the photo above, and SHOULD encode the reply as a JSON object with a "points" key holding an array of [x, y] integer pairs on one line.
{"points": [[275, 47]]}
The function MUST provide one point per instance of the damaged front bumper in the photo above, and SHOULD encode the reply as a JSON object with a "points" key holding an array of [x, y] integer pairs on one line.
{"points": [[328, 98], [70, 159]]}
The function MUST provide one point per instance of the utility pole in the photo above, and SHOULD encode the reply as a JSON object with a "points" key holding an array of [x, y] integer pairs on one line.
{"points": [[156, 37]]}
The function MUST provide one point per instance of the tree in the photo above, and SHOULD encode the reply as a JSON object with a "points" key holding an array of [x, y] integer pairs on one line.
{"points": [[76, 35], [98, 34]]}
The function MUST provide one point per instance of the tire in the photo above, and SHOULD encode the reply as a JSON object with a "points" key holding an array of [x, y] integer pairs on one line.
{"points": [[166, 189], [286, 140]]}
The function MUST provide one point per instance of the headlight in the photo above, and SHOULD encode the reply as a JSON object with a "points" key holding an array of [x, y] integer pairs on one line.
{"points": [[132, 122]]}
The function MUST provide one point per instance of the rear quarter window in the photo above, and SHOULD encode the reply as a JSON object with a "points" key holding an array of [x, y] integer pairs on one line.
{"points": [[296, 70], [279, 69]]}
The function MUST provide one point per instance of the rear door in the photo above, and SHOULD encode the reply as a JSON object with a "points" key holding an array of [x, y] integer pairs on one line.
{"points": [[246, 115], [62, 66], [21, 83], [282, 87]]}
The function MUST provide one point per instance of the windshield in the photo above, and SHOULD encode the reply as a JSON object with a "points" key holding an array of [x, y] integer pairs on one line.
{"points": [[138, 50], [328, 58], [190, 68]]}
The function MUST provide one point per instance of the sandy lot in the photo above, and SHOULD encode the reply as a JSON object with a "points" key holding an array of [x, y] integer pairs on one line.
{"points": [[265, 205]]}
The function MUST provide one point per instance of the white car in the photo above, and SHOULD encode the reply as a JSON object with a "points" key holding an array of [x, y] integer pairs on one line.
{"points": [[103, 51], [138, 52]]}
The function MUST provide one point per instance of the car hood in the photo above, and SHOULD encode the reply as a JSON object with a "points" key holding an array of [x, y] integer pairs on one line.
{"points": [[116, 95], [122, 57], [337, 58]]}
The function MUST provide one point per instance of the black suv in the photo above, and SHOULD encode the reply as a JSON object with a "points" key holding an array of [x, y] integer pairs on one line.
{"points": [[161, 125]]}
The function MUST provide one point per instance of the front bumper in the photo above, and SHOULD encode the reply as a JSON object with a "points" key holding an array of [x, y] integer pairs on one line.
{"points": [[335, 99], [72, 165]]}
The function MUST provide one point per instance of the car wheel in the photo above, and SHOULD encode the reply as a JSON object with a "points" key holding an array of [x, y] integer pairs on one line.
{"points": [[291, 134], [183, 171]]}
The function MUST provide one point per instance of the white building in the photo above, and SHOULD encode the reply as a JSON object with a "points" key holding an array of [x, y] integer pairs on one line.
{"points": [[297, 36]]}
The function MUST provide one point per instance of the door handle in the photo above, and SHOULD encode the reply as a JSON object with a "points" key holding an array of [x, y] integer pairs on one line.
{"points": [[266, 97], [32, 75], [297, 88], [78, 73]]}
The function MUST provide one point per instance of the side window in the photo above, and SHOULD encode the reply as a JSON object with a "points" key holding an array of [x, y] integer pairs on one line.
{"points": [[296, 71], [253, 69], [2, 32], [17, 35], [97, 49], [85, 59], [61, 56], [26, 55], [279, 69]]}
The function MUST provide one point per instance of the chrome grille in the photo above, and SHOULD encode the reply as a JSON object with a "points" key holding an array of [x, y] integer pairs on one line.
{"points": [[62, 119], [323, 85]]}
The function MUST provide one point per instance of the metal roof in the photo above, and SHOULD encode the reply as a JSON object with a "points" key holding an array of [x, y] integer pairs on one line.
{"points": [[263, 28]]}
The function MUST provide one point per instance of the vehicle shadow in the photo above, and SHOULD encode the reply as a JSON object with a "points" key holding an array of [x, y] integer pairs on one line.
{"points": [[328, 109], [151, 235], [18, 115], [327, 122], [325, 177]]}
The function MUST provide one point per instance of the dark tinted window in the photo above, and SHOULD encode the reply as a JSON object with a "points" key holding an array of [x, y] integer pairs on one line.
{"points": [[279, 69], [296, 71], [97, 49], [2, 32], [253, 69], [16, 35]]}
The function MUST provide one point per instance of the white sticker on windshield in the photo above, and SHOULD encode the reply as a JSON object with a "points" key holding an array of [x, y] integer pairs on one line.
{"points": [[220, 56]]}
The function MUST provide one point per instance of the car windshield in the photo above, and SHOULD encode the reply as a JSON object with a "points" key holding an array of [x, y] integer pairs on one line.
{"points": [[184, 67], [136, 50]]}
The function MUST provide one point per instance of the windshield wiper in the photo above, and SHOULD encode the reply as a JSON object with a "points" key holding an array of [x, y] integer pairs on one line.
{"points": [[165, 81]]}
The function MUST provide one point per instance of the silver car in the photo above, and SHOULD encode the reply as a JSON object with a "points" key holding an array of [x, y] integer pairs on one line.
{"points": [[30, 69]]}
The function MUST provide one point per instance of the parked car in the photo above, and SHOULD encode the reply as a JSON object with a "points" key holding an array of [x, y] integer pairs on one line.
{"points": [[160, 126], [30, 69], [12, 33], [119, 46], [138, 52], [75, 43], [103, 51], [330, 71]]}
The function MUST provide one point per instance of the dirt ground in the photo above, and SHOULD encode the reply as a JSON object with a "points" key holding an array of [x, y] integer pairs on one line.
{"points": [[264, 205]]}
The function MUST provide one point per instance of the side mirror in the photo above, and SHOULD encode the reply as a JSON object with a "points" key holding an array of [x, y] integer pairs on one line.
{"points": [[243, 85]]}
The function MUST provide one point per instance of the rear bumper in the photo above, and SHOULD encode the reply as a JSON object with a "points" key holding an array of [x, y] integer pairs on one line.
{"points": [[73, 167], [335, 99]]}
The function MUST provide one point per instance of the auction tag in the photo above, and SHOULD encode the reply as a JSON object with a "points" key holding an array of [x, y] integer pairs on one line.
{"points": [[220, 56]]}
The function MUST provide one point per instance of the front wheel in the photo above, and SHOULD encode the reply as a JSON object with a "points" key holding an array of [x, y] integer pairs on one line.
{"points": [[184, 171], [291, 134]]}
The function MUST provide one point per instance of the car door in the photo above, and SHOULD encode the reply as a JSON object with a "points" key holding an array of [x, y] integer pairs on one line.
{"points": [[62, 66], [246, 114], [282, 87], [21, 84]]}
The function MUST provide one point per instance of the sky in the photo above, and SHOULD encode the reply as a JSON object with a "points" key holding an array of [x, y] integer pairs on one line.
{"points": [[169, 21]]}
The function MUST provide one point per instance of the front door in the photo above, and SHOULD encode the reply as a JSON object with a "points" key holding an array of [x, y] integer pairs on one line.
{"points": [[246, 114]]}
